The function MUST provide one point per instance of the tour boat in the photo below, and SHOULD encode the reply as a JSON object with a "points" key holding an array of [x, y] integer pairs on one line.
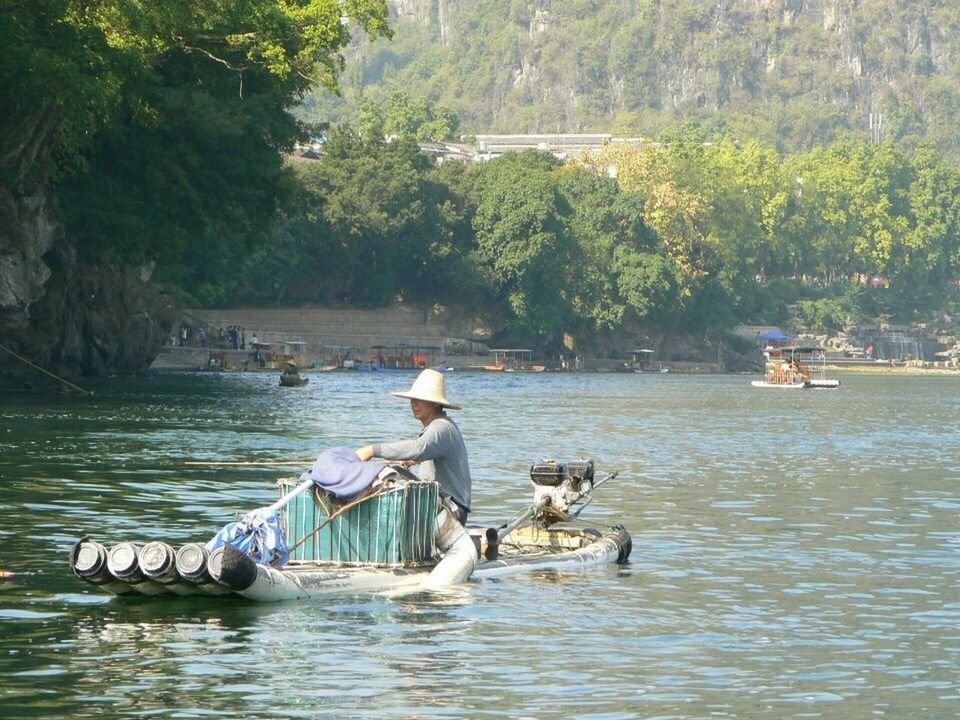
{"points": [[796, 368]]}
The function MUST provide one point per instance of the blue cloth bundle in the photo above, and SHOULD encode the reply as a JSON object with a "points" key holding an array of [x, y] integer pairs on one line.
{"points": [[258, 535], [341, 473]]}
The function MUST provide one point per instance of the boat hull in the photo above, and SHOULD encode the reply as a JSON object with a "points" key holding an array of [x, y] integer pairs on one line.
{"points": [[232, 572], [782, 386], [818, 384], [293, 381], [805, 385]]}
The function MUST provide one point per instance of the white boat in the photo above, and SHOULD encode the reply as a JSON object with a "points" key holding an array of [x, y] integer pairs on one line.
{"points": [[551, 549], [796, 368]]}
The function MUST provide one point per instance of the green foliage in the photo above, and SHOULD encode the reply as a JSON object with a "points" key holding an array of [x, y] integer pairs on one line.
{"points": [[166, 120], [404, 116], [419, 118], [827, 313], [740, 216], [174, 189], [522, 242], [791, 75], [622, 273], [649, 282], [372, 223]]}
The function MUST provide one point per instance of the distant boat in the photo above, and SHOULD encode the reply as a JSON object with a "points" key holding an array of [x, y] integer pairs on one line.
{"points": [[293, 381], [796, 368], [509, 360], [291, 377]]}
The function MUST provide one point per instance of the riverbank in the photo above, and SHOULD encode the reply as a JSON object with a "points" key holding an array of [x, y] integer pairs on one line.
{"points": [[886, 369], [314, 358], [401, 335]]}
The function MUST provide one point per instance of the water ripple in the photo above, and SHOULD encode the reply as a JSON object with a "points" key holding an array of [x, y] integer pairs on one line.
{"points": [[793, 557]]}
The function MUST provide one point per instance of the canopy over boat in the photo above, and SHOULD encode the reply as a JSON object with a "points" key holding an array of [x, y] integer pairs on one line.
{"points": [[510, 359], [775, 336]]}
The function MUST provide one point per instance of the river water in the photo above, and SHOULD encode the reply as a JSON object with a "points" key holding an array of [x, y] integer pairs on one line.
{"points": [[796, 554]]}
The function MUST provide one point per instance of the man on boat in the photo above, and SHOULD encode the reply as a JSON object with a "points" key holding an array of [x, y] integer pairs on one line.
{"points": [[439, 448]]}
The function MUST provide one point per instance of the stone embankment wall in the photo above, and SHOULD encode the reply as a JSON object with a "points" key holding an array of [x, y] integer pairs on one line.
{"points": [[323, 330], [326, 326]]}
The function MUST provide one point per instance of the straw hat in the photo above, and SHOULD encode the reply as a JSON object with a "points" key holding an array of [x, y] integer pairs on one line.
{"points": [[428, 386]]}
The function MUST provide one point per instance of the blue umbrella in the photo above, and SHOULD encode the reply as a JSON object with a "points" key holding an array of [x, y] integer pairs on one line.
{"points": [[775, 336]]}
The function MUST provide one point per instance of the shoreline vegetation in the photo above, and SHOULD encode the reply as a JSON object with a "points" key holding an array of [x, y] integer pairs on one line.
{"points": [[122, 215]]}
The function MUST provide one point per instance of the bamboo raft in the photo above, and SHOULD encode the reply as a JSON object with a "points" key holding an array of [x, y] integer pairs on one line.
{"points": [[387, 541], [158, 569]]}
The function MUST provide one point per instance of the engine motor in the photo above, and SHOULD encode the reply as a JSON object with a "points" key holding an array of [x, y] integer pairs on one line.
{"points": [[558, 485]]}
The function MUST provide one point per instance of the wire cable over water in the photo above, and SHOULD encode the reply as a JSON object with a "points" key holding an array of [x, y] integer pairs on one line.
{"points": [[43, 370]]}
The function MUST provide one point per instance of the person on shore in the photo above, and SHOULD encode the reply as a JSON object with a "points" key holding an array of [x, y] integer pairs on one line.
{"points": [[439, 448]]}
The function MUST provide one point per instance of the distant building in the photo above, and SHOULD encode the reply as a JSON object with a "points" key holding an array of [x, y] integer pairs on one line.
{"points": [[560, 145], [310, 150], [489, 147], [444, 151]]}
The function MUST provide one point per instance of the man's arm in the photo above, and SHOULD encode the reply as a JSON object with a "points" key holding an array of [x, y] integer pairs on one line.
{"points": [[429, 445], [365, 453]]}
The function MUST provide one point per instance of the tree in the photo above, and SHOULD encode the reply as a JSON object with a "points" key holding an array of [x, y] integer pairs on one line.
{"points": [[419, 118], [180, 110], [621, 273], [523, 245], [375, 223]]}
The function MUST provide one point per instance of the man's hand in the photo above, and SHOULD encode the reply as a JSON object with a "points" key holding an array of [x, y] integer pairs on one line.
{"points": [[365, 453]]}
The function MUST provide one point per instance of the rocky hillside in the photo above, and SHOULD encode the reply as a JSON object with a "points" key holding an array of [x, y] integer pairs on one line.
{"points": [[65, 315], [789, 72]]}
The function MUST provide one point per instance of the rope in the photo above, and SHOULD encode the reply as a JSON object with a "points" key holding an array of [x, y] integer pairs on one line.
{"points": [[53, 375], [255, 463]]}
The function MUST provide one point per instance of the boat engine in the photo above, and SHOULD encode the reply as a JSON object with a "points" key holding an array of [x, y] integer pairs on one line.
{"points": [[557, 486]]}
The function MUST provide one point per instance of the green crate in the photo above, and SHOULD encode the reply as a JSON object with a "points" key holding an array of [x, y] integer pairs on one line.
{"points": [[393, 527]]}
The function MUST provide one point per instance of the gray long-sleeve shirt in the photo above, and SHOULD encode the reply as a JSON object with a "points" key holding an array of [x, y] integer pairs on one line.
{"points": [[442, 456]]}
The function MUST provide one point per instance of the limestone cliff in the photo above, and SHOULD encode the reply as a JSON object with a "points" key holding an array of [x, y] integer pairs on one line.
{"points": [[68, 316], [791, 72]]}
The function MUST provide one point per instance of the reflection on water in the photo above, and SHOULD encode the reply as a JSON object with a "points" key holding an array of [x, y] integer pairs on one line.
{"points": [[793, 557]]}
